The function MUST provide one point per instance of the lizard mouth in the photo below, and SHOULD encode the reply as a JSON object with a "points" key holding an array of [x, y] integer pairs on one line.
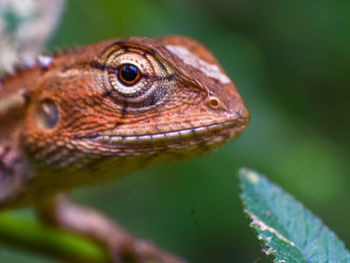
{"points": [[208, 134]]}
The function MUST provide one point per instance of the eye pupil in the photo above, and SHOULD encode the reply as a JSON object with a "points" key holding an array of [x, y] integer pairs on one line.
{"points": [[128, 74]]}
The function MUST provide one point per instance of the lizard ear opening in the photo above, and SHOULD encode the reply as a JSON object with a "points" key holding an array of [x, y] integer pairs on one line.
{"points": [[47, 114]]}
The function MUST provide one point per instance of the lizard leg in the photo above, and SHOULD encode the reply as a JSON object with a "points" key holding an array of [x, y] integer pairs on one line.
{"points": [[61, 212]]}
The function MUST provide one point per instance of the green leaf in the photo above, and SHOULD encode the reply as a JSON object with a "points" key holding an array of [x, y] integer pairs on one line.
{"points": [[289, 232]]}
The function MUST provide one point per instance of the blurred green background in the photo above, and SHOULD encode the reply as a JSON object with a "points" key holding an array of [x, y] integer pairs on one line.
{"points": [[291, 62]]}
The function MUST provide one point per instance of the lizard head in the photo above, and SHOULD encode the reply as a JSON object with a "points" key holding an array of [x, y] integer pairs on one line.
{"points": [[132, 97]]}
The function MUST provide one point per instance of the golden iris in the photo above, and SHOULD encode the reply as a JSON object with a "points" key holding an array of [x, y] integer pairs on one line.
{"points": [[128, 74]]}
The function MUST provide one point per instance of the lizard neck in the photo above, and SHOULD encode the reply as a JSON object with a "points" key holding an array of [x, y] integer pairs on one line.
{"points": [[13, 90], [97, 170], [14, 166]]}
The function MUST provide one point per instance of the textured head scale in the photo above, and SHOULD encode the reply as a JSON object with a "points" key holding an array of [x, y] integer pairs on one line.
{"points": [[129, 98]]}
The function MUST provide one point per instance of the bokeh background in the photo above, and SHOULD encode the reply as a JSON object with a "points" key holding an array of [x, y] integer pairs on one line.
{"points": [[291, 62]]}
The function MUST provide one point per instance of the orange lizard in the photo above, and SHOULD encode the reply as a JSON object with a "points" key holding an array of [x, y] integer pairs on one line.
{"points": [[102, 111]]}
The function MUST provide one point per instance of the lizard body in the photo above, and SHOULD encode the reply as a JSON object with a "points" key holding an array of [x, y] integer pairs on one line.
{"points": [[183, 105], [104, 110]]}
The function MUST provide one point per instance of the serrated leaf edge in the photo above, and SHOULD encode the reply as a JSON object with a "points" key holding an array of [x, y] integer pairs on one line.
{"points": [[256, 222]]}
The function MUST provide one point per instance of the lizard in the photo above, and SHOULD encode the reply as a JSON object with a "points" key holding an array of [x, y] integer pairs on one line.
{"points": [[104, 110]]}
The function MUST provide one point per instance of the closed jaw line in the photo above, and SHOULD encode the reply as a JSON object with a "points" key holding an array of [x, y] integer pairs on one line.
{"points": [[167, 136]]}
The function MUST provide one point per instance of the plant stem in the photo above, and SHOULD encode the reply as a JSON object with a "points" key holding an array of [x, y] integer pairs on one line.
{"points": [[32, 236]]}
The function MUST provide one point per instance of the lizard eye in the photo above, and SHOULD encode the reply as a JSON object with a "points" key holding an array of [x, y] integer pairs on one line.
{"points": [[128, 74], [136, 77]]}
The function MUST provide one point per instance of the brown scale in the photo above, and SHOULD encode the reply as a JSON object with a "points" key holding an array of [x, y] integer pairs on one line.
{"points": [[77, 110], [104, 110]]}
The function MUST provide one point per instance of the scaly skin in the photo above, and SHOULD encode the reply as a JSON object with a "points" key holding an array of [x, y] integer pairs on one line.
{"points": [[71, 121], [183, 107]]}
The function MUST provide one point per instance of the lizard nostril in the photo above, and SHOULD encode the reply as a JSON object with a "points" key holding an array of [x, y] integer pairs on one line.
{"points": [[213, 102], [47, 117]]}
